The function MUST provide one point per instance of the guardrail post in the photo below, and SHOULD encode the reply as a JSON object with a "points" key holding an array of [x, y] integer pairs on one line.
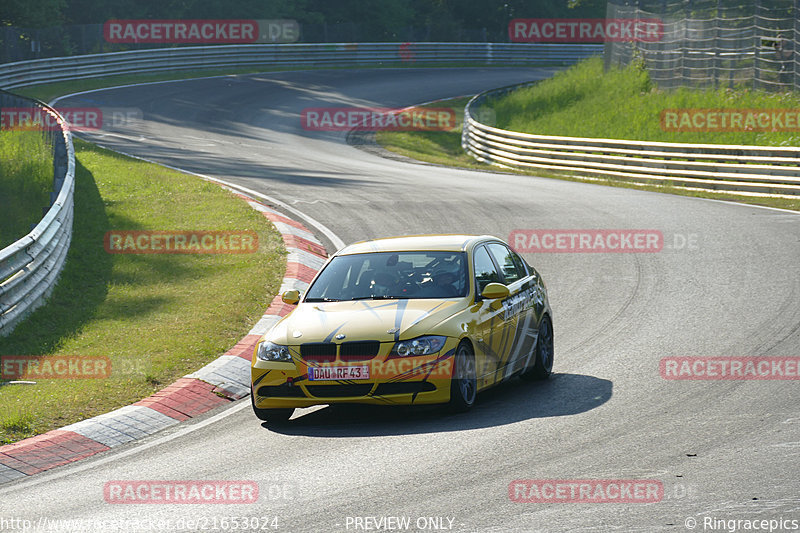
{"points": [[796, 45], [716, 62], [756, 45]]}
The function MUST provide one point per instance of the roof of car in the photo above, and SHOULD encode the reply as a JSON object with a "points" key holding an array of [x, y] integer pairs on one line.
{"points": [[413, 243]]}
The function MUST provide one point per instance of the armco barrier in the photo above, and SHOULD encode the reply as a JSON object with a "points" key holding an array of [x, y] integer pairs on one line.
{"points": [[225, 379], [30, 266], [290, 55], [743, 170]]}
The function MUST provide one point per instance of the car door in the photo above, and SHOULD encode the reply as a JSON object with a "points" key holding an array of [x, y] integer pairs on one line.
{"points": [[521, 320], [493, 337]]}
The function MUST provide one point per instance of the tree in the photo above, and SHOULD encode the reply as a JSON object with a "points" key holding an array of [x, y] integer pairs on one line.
{"points": [[32, 14]]}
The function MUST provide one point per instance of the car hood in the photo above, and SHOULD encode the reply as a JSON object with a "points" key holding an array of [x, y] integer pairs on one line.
{"points": [[381, 320]]}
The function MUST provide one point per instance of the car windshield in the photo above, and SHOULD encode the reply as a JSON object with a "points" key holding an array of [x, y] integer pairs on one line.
{"points": [[391, 275]]}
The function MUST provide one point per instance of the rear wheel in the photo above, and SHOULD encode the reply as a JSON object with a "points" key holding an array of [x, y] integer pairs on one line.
{"points": [[543, 353], [464, 383], [274, 416]]}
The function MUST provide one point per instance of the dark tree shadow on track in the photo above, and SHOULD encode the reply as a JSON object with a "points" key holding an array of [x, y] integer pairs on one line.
{"points": [[515, 401]]}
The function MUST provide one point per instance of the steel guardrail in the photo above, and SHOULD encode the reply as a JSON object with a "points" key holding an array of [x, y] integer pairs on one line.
{"points": [[30, 266], [24, 73], [743, 170]]}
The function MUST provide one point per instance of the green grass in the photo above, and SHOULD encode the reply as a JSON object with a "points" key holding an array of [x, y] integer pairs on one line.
{"points": [[619, 104], [440, 147], [584, 101], [26, 179], [17, 423], [157, 317], [444, 148]]}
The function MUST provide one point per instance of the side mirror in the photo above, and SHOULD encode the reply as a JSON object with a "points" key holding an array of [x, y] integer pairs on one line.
{"points": [[494, 291], [291, 297]]}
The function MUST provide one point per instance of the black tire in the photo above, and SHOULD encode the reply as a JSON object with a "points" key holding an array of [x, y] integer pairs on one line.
{"points": [[464, 383], [272, 416], [542, 353]]}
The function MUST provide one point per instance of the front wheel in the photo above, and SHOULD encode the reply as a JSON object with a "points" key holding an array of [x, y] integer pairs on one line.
{"points": [[464, 383], [543, 353], [273, 416]]}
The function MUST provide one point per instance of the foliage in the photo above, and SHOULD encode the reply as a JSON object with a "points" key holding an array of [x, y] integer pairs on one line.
{"points": [[374, 17]]}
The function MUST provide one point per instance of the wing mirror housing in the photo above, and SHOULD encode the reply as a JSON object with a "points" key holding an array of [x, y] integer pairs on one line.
{"points": [[291, 297], [495, 291]]}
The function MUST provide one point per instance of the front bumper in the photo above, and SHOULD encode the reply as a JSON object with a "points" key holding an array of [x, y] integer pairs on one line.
{"points": [[392, 380]]}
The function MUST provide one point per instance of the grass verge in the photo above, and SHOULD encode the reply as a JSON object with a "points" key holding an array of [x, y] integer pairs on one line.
{"points": [[585, 101], [562, 107], [26, 179], [438, 147], [157, 317]]}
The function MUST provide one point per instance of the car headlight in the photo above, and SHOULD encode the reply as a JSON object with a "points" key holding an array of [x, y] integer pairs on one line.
{"points": [[419, 346], [269, 351]]}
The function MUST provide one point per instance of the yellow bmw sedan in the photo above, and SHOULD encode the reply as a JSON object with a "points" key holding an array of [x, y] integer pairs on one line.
{"points": [[424, 319]]}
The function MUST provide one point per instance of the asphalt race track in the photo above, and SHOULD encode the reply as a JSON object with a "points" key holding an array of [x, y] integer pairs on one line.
{"points": [[725, 284]]}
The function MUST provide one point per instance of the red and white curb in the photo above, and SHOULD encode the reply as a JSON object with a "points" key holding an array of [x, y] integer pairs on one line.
{"points": [[221, 381]]}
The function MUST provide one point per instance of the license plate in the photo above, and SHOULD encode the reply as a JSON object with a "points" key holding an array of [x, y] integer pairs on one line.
{"points": [[338, 372]]}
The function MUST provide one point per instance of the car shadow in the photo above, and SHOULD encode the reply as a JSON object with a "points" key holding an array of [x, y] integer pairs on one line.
{"points": [[514, 401]]}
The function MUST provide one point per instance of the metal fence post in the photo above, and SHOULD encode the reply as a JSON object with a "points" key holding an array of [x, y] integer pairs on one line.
{"points": [[796, 44], [716, 61], [756, 45], [685, 75]]}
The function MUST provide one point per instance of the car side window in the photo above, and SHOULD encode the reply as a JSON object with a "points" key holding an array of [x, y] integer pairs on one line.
{"points": [[506, 260], [520, 263], [485, 271]]}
